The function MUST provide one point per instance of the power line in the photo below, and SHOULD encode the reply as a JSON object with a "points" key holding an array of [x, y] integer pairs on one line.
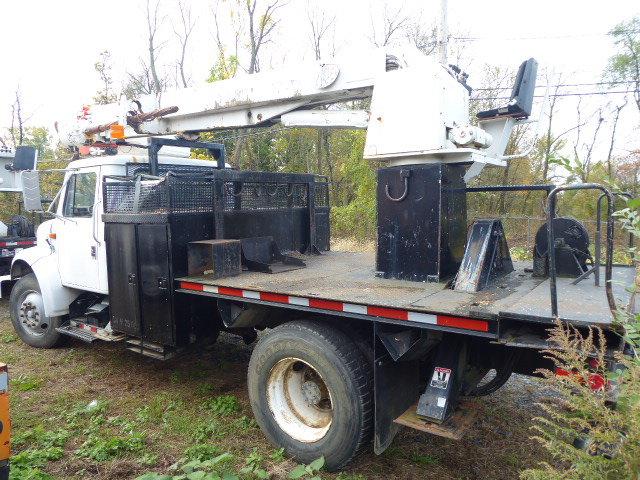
{"points": [[536, 37], [572, 94], [590, 84]]}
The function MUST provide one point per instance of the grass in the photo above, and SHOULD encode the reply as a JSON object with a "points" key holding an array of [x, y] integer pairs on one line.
{"points": [[104, 413]]}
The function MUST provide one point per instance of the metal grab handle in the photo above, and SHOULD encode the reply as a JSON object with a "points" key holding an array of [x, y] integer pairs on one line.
{"points": [[404, 174], [552, 247]]}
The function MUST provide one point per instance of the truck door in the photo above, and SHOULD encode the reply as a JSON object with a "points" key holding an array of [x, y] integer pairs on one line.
{"points": [[77, 236]]}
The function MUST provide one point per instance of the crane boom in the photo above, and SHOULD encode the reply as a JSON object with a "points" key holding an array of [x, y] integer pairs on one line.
{"points": [[419, 108]]}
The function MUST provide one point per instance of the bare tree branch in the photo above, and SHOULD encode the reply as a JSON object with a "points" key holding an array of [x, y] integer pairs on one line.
{"points": [[392, 23], [319, 25], [616, 117], [187, 24], [152, 28]]}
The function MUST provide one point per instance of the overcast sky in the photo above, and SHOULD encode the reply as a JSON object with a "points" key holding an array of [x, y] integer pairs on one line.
{"points": [[49, 47]]}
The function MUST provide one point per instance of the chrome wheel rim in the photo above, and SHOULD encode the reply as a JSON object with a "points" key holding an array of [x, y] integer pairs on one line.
{"points": [[299, 400], [31, 314]]}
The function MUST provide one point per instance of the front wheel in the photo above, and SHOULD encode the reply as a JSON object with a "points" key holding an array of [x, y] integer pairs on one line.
{"points": [[311, 392], [30, 322]]}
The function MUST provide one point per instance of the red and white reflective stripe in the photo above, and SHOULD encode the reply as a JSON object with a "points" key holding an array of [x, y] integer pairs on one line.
{"points": [[335, 306], [15, 244]]}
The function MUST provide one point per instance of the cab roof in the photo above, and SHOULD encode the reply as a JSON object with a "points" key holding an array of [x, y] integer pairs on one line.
{"points": [[124, 159]]}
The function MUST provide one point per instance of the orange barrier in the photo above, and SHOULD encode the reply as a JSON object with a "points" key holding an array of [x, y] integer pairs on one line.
{"points": [[5, 423]]}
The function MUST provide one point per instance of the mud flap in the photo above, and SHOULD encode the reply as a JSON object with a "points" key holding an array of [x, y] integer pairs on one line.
{"points": [[440, 398], [395, 389]]}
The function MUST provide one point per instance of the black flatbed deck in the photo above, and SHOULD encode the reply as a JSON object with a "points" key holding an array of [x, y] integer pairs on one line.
{"points": [[349, 277]]}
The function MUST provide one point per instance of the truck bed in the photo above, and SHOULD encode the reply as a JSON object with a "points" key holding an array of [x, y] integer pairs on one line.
{"points": [[349, 277]]}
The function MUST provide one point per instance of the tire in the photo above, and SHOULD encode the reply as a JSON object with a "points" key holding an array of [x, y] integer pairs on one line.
{"points": [[28, 317], [311, 391]]}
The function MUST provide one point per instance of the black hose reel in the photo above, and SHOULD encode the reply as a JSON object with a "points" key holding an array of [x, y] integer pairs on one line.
{"points": [[571, 246]]}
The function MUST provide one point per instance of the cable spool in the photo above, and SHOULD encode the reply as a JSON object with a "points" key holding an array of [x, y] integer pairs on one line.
{"points": [[571, 247]]}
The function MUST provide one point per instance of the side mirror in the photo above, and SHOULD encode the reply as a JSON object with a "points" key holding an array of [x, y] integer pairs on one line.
{"points": [[25, 158]]}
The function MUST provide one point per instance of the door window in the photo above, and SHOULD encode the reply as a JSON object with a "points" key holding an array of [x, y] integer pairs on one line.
{"points": [[80, 195]]}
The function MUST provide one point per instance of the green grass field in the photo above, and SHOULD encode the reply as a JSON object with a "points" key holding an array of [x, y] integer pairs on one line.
{"points": [[99, 411]]}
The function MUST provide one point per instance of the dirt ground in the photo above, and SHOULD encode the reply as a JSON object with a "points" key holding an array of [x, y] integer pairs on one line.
{"points": [[113, 414]]}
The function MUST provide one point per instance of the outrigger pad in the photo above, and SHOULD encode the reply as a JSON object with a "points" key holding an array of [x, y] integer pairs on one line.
{"points": [[261, 254], [486, 257]]}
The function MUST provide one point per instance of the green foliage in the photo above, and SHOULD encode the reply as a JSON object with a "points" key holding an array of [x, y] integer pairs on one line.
{"points": [[216, 468], [8, 337], [253, 466], [308, 472], [25, 383], [223, 405], [28, 464], [623, 66], [224, 68], [609, 437], [102, 448], [202, 452], [277, 455]]}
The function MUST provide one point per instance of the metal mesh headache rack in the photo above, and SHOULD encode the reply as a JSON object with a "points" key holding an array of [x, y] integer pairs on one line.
{"points": [[292, 208], [196, 193]]}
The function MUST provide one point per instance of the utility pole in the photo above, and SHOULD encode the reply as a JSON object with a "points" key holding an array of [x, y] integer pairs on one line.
{"points": [[444, 32]]}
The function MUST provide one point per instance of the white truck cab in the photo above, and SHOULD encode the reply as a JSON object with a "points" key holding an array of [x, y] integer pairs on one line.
{"points": [[70, 256]]}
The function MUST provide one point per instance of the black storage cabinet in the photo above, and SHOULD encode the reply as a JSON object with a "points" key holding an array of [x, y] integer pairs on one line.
{"points": [[149, 222], [141, 254]]}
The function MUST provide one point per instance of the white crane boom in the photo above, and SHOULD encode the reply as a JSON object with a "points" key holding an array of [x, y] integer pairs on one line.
{"points": [[419, 108]]}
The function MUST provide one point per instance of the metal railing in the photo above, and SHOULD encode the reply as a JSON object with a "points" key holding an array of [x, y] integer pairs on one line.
{"points": [[551, 215]]}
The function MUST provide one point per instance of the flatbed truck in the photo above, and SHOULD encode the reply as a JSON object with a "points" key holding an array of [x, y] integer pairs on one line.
{"points": [[160, 252]]}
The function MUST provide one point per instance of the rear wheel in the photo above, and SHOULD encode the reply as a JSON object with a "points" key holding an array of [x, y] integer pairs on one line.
{"points": [[311, 392], [30, 322]]}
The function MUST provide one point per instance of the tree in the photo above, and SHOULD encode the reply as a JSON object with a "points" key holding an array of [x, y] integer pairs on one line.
{"points": [[18, 120], [154, 48], [140, 82], [624, 66], [422, 36], [261, 25], [103, 67], [319, 26], [186, 29], [393, 22]]}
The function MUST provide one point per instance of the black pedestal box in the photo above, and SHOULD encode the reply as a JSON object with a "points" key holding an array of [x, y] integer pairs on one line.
{"points": [[422, 216]]}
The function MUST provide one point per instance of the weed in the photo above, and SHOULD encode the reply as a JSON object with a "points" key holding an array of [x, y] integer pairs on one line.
{"points": [[253, 466], [223, 405], [24, 383], [277, 455], [424, 460], [205, 389], [27, 464], [101, 449], [348, 476], [41, 438], [148, 459], [212, 469], [8, 337], [205, 431], [307, 471], [201, 452]]}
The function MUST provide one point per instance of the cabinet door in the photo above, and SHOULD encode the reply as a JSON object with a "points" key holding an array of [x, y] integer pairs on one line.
{"points": [[122, 268], [155, 284]]}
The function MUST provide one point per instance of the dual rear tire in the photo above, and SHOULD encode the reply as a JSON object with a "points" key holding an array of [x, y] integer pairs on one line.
{"points": [[311, 392]]}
